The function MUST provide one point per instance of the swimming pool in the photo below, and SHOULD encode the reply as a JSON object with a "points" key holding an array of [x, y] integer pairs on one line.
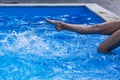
{"points": [[31, 49]]}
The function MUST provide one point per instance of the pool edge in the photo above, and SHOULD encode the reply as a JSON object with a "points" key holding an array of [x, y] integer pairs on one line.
{"points": [[103, 13], [97, 9]]}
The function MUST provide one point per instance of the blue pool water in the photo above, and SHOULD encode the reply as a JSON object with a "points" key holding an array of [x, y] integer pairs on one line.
{"points": [[31, 49]]}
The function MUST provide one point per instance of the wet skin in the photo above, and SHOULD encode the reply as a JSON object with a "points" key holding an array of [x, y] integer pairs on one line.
{"points": [[106, 28]]}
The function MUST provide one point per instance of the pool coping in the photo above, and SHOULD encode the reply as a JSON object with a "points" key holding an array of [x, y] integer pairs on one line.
{"points": [[97, 9]]}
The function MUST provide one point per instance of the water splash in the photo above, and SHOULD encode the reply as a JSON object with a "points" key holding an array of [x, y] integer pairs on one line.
{"points": [[33, 50]]}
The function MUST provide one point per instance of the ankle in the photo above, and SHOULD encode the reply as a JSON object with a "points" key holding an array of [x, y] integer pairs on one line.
{"points": [[63, 25]]}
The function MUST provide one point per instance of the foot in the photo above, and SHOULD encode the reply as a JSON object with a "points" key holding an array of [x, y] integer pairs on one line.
{"points": [[58, 25]]}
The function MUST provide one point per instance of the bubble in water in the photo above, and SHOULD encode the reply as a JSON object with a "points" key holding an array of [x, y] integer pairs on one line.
{"points": [[42, 22], [89, 18]]}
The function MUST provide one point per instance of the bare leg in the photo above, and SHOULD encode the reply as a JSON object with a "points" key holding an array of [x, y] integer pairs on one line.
{"points": [[112, 28], [105, 28], [111, 43]]}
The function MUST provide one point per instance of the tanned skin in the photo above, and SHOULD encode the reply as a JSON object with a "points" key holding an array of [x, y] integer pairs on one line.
{"points": [[106, 28]]}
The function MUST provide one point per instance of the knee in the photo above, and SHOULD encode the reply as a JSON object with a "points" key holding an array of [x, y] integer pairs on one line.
{"points": [[97, 28], [102, 49]]}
